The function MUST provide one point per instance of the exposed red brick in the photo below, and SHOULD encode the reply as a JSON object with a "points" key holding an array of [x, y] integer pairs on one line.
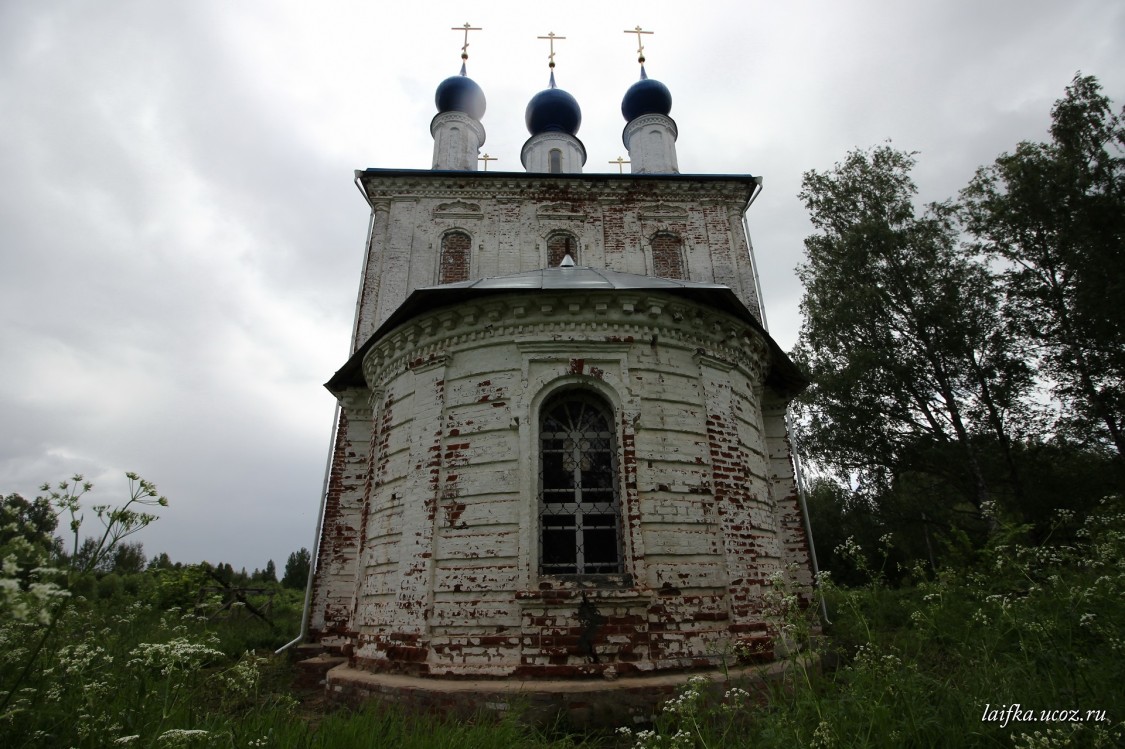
{"points": [[667, 255], [559, 245], [456, 248]]}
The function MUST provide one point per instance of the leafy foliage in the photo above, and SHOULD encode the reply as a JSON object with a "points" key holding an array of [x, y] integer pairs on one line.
{"points": [[135, 671], [1053, 215], [934, 358], [910, 365], [1039, 624], [45, 600], [26, 530]]}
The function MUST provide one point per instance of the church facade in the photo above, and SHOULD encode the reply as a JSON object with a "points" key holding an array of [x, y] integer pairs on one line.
{"points": [[561, 449]]}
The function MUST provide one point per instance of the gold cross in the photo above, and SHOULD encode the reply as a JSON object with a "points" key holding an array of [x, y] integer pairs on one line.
{"points": [[620, 162], [640, 47], [486, 158], [467, 28], [551, 38]]}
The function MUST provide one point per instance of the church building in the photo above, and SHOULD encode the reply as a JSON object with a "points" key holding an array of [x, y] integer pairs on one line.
{"points": [[561, 451]]}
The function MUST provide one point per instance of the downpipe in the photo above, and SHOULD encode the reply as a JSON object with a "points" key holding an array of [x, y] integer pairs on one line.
{"points": [[314, 555], [798, 474]]}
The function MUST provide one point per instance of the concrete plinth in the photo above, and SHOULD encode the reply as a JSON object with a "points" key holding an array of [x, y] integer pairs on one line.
{"points": [[575, 703]]}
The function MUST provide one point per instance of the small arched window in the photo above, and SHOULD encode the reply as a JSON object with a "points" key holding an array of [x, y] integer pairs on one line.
{"points": [[559, 245], [579, 509], [455, 247], [667, 255], [554, 161]]}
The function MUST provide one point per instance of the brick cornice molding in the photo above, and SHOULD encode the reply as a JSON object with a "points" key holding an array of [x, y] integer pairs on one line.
{"points": [[461, 118], [486, 186], [614, 318], [650, 119], [356, 402]]}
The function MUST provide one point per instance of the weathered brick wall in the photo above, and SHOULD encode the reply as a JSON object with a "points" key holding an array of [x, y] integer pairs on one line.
{"points": [[667, 258], [428, 557], [455, 257], [510, 221], [793, 539], [366, 306], [334, 599], [448, 583], [559, 245]]}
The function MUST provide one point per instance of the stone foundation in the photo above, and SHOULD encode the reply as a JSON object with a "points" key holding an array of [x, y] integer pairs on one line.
{"points": [[572, 704]]}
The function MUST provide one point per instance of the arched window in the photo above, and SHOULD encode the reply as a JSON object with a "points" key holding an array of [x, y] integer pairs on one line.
{"points": [[554, 161], [579, 510], [667, 255], [455, 248], [559, 245]]}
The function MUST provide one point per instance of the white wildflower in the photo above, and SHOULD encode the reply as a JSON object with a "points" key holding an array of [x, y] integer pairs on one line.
{"points": [[178, 737]]}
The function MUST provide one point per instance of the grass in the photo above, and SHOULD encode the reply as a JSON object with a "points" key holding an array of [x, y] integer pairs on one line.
{"points": [[938, 662], [942, 661]]}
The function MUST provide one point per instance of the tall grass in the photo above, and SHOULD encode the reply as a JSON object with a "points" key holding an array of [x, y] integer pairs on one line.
{"points": [[967, 657], [946, 661], [119, 673]]}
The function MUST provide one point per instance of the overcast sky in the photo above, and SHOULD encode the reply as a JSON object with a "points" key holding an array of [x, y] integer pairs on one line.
{"points": [[181, 240]]}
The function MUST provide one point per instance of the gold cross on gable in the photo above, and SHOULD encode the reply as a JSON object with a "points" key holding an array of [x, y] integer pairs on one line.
{"points": [[640, 46], [551, 38], [486, 158], [466, 28], [620, 164]]}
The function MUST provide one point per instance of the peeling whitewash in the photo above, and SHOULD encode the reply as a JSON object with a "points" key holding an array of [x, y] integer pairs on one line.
{"points": [[428, 561]]}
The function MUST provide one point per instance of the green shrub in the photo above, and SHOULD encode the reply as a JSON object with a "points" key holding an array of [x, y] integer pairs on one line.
{"points": [[110, 587], [942, 662]]}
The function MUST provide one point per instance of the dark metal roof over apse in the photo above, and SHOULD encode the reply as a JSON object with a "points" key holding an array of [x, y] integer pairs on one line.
{"points": [[783, 373]]}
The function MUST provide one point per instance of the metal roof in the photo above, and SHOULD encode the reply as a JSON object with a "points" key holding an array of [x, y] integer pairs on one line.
{"points": [[497, 174], [577, 279]]}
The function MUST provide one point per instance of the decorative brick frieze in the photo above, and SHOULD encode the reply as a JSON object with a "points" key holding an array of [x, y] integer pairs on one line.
{"points": [[620, 316], [457, 210]]}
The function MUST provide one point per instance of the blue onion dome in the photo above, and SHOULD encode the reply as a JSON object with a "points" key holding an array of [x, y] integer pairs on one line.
{"points": [[553, 110], [646, 96], [459, 93]]}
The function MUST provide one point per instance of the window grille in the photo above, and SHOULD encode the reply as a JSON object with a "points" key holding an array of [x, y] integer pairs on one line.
{"points": [[579, 510]]}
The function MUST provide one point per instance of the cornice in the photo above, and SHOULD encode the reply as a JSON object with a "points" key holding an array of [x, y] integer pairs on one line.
{"points": [[552, 137], [615, 319], [649, 119], [356, 403], [520, 186], [442, 118]]}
